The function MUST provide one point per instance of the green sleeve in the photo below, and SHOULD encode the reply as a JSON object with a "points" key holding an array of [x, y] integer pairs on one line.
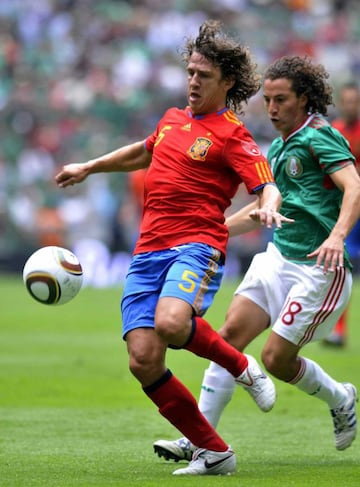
{"points": [[330, 148]]}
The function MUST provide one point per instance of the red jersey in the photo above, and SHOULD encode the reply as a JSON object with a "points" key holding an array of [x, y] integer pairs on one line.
{"points": [[197, 165], [352, 134]]}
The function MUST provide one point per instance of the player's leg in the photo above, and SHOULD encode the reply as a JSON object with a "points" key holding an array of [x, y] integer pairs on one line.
{"points": [[218, 384], [313, 306], [189, 289], [193, 280], [146, 350], [207, 343], [147, 363], [281, 359], [174, 401], [244, 321], [258, 298]]}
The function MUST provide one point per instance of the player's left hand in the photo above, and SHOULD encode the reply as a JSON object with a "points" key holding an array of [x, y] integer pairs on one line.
{"points": [[269, 217], [330, 254]]}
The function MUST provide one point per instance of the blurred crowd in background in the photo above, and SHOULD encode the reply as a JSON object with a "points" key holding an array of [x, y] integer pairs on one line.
{"points": [[83, 77]]}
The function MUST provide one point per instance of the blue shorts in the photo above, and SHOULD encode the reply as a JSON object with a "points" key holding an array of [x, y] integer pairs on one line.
{"points": [[353, 241], [191, 272]]}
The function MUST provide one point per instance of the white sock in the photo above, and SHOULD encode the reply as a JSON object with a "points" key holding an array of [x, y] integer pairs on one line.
{"points": [[216, 391], [313, 380]]}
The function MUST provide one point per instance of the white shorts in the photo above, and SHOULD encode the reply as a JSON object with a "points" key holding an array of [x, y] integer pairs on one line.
{"points": [[303, 303]]}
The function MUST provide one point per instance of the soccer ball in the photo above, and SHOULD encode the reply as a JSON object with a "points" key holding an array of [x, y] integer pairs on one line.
{"points": [[53, 275]]}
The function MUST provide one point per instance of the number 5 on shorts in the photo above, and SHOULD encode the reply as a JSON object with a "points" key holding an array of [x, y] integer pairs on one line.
{"points": [[189, 279]]}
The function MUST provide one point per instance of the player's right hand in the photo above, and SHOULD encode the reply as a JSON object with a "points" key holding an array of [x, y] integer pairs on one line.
{"points": [[269, 217], [71, 174]]}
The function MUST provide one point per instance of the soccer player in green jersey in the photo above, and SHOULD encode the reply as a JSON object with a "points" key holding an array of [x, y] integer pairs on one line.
{"points": [[302, 283]]}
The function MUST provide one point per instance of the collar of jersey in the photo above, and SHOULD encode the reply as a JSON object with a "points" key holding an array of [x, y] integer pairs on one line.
{"points": [[199, 117], [307, 121]]}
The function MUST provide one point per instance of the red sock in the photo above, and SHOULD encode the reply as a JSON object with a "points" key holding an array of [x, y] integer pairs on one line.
{"points": [[207, 343], [177, 405], [340, 327]]}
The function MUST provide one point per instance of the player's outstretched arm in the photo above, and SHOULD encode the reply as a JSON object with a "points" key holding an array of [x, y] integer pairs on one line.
{"points": [[241, 221], [125, 159]]}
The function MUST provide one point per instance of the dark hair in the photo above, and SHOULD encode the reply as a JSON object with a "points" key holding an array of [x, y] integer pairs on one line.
{"points": [[233, 59], [307, 79]]}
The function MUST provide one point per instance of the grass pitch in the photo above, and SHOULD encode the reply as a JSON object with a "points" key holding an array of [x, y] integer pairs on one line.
{"points": [[72, 415]]}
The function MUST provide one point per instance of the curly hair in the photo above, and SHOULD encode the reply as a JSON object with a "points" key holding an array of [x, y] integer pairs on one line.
{"points": [[233, 59], [307, 79]]}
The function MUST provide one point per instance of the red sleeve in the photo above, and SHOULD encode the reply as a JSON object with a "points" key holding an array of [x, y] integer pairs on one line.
{"points": [[151, 139], [247, 160]]}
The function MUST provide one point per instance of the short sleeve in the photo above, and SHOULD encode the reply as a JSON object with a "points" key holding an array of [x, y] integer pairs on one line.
{"points": [[247, 160], [331, 149]]}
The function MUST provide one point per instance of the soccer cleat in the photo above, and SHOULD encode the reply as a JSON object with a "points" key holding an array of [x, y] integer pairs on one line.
{"points": [[207, 462], [335, 340], [344, 419], [181, 449], [260, 387]]}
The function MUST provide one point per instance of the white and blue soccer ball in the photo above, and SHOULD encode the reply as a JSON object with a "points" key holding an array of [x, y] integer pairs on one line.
{"points": [[53, 275]]}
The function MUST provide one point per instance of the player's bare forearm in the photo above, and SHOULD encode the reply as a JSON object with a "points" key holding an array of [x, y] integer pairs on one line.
{"points": [[127, 158], [259, 211], [263, 211], [269, 203], [241, 222], [270, 197]]}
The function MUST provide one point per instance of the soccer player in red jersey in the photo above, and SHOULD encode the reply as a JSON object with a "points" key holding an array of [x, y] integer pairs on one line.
{"points": [[197, 157], [348, 124]]}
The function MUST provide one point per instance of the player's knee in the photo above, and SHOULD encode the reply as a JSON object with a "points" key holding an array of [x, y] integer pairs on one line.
{"points": [[231, 333], [272, 361], [172, 329], [279, 364], [145, 373], [167, 330], [173, 321], [145, 365], [137, 365]]}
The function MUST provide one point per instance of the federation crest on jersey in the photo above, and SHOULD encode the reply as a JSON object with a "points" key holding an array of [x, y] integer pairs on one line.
{"points": [[251, 148], [200, 148], [293, 167]]}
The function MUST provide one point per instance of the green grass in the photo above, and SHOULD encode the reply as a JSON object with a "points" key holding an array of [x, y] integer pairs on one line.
{"points": [[72, 415]]}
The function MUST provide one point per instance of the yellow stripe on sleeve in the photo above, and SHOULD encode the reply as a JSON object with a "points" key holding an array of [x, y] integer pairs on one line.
{"points": [[264, 172], [231, 117]]}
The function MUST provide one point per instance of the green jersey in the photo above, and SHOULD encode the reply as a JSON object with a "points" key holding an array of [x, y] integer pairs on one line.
{"points": [[301, 165]]}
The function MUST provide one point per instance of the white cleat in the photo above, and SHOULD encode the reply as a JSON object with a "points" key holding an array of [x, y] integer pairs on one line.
{"points": [[344, 418], [260, 387], [207, 462], [181, 449]]}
